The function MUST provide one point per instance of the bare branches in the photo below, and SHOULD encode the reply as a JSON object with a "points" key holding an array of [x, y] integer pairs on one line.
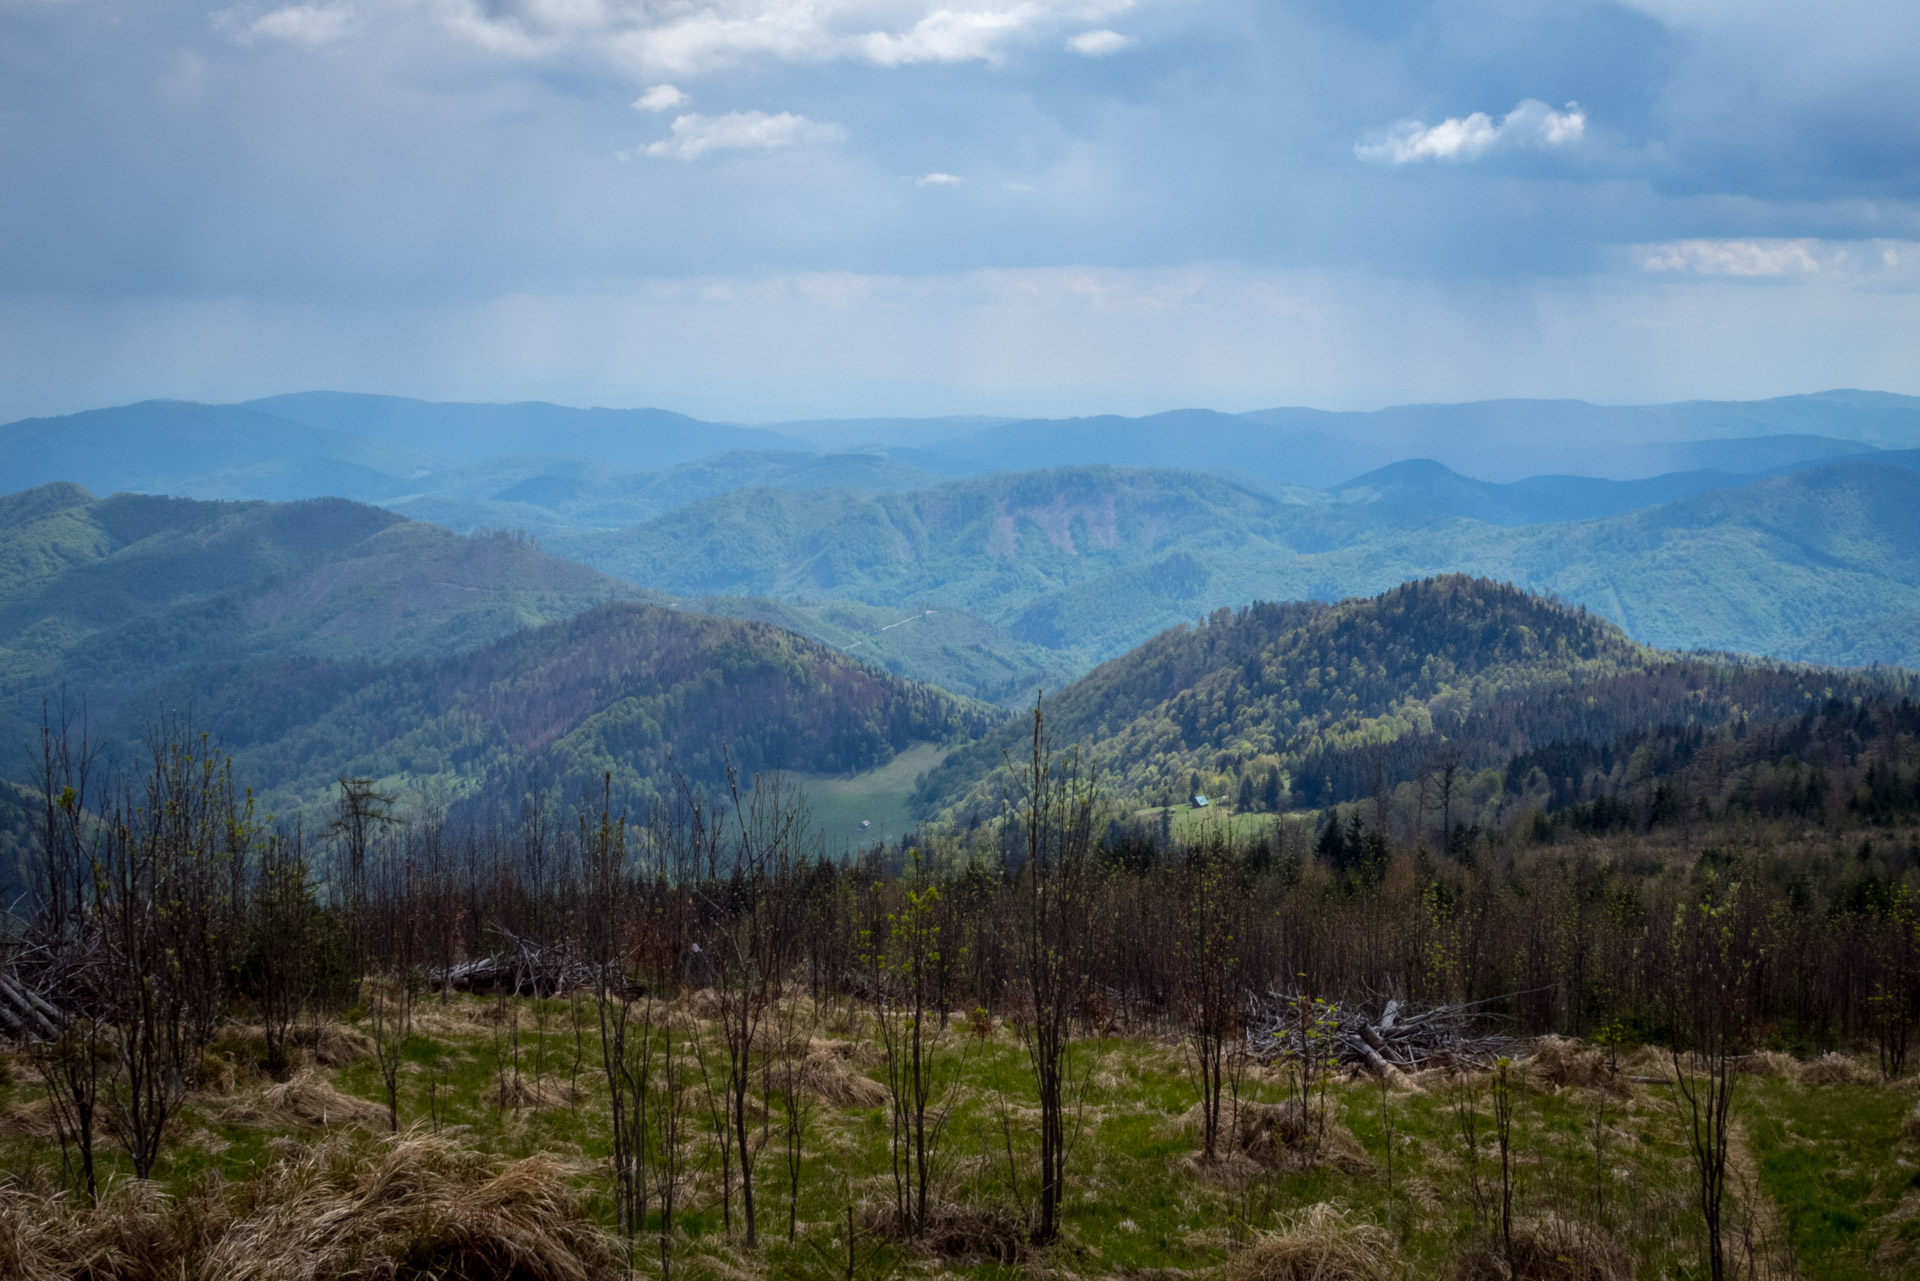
{"points": [[1397, 1039]]}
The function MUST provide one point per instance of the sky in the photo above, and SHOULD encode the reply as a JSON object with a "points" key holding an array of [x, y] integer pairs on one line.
{"points": [[763, 209]]}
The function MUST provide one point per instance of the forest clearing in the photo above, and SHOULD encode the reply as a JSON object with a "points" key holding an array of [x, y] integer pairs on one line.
{"points": [[1564, 1163]]}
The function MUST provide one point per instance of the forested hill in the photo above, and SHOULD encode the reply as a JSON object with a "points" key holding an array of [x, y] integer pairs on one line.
{"points": [[639, 691], [105, 596], [1818, 566], [1131, 550], [1308, 705]]}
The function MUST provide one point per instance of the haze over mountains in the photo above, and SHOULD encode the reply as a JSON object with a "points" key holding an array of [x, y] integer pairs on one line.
{"points": [[315, 582], [483, 461], [1725, 525]]}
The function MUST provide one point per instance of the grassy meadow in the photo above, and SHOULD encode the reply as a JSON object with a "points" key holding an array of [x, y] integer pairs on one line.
{"points": [[502, 1164]]}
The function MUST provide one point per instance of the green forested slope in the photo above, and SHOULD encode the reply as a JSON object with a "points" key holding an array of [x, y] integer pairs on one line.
{"points": [[950, 648], [544, 493], [1767, 568], [633, 690], [207, 451], [1313, 704], [1126, 550], [103, 597], [1816, 566]]}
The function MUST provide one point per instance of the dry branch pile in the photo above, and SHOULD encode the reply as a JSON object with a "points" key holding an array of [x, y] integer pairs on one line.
{"points": [[1292, 1027], [523, 968], [25, 1015]]}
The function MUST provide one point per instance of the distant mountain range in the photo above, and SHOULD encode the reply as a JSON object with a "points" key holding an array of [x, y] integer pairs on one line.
{"points": [[1040, 546], [1820, 565], [538, 465]]}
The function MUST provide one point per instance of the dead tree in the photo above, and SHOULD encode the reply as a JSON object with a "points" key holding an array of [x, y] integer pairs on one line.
{"points": [[921, 1070], [68, 1040], [746, 941], [1050, 869], [1206, 954], [283, 912], [1709, 992], [159, 994]]}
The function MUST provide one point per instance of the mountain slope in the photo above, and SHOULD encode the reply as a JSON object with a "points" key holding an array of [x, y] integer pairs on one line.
{"points": [[542, 493], [1765, 568], [201, 451], [1425, 487], [1192, 439], [638, 691], [626, 438], [1505, 440], [955, 650], [991, 545], [1820, 565], [106, 596], [1308, 704]]}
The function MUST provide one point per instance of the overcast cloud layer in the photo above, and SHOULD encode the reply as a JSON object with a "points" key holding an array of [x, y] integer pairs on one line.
{"points": [[758, 208]]}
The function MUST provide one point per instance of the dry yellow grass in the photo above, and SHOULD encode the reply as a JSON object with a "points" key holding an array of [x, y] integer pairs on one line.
{"points": [[1772, 1063], [1284, 1134], [864, 1052], [308, 1099], [334, 1044], [1557, 1063], [415, 1206], [33, 1118], [1548, 1249], [132, 1234], [1321, 1243], [526, 1094], [826, 1076], [1835, 1069]]}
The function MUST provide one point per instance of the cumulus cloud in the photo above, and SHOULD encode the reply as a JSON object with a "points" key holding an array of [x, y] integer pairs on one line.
{"points": [[950, 35], [689, 37], [1731, 257], [660, 98], [1531, 123], [1098, 44], [310, 25], [695, 135], [936, 180]]}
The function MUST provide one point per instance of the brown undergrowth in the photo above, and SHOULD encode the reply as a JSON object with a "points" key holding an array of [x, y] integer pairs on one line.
{"points": [[1550, 1248], [1284, 1135], [1324, 1242], [402, 1207]]}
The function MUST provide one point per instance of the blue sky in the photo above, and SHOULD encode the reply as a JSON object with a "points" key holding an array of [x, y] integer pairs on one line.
{"points": [[762, 208]]}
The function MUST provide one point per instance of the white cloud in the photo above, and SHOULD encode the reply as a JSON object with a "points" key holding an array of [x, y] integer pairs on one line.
{"points": [[689, 37], [951, 35], [660, 98], [1532, 123], [695, 135], [311, 25], [1731, 257], [1098, 44], [936, 180]]}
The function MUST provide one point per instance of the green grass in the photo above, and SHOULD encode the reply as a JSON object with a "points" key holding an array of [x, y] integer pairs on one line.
{"points": [[1847, 1182], [1190, 823], [1831, 1158], [881, 797]]}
